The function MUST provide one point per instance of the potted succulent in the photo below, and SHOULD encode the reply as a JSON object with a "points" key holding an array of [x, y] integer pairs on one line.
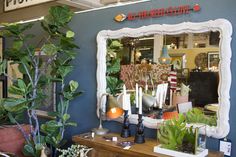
{"points": [[178, 139], [58, 45]]}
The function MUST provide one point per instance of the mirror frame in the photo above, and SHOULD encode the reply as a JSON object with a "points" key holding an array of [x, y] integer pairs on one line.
{"points": [[221, 25]]}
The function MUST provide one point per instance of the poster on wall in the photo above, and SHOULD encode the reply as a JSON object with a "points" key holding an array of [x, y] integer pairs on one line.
{"points": [[17, 4]]}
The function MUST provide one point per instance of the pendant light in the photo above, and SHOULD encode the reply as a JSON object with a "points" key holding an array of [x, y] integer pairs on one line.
{"points": [[164, 58]]}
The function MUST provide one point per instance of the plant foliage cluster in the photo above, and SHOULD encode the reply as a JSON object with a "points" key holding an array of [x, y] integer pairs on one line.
{"points": [[197, 116], [175, 135], [59, 48], [114, 84]]}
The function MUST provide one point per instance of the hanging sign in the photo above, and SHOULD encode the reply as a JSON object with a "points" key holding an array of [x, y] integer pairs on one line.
{"points": [[157, 13], [17, 4]]}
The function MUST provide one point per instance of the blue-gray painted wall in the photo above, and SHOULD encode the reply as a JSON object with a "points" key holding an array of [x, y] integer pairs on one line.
{"points": [[87, 25]]}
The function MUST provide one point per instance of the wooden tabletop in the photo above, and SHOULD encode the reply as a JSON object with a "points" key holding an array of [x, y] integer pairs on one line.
{"points": [[137, 150]]}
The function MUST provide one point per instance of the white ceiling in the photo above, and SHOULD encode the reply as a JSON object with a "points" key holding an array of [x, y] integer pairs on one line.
{"points": [[90, 4]]}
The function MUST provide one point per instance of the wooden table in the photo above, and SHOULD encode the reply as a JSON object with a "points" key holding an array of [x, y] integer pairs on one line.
{"points": [[103, 148]]}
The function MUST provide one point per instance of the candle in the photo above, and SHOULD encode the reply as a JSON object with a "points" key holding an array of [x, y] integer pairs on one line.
{"points": [[161, 96], [140, 100], [158, 95], [136, 95], [124, 98], [146, 88]]}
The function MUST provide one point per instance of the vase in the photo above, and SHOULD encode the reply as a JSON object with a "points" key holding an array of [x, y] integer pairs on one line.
{"points": [[12, 140]]}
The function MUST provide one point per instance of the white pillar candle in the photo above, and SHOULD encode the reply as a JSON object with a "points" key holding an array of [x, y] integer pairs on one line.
{"points": [[140, 100], [146, 88], [161, 96], [136, 95], [124, 98]]}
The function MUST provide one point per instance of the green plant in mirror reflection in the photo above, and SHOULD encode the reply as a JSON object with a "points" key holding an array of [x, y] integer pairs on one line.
{"points": [[197, 116], [114, 84]]}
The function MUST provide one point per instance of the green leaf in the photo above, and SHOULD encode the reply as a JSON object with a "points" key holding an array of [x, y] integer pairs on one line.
{"points": [[22, 85], [38, 146], [71, 124], [28, 150], [61, 15], [66, 117], [114, 67], [49, 49], [15, 104], [3, 66], [70, 34], [73, 85], [64, 70], [17, 45]]}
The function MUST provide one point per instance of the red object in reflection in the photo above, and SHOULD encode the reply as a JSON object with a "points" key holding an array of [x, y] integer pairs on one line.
{"points": [[170, 115], [196, 7]]}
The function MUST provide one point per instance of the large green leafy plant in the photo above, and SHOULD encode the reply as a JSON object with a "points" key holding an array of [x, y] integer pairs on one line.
{"points": [[58, 46]]}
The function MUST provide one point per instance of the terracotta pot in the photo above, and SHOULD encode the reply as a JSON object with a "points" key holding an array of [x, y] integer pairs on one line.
{"points": [[12, 140]]}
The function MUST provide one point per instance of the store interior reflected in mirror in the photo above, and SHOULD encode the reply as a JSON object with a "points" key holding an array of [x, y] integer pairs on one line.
{"points": [[193, 66]]}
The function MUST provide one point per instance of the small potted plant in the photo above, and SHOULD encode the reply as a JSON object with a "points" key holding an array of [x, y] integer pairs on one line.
{"points": [[177, 139], [75, 150]]}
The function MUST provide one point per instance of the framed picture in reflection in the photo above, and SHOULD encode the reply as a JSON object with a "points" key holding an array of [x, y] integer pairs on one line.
{"points": [[213, 61]]}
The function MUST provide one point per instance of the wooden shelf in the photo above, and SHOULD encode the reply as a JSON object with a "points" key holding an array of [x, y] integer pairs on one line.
{"points": [[103, 148]]}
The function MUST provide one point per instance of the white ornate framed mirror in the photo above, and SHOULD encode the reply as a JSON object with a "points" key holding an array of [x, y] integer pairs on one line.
{"points": [[222, 26]]}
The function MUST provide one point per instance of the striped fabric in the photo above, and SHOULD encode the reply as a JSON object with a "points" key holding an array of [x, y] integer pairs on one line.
{"points": [[173, 80]]}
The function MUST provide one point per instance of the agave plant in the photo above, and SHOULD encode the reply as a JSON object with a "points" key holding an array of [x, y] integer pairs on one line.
{"points": [[175, 135], [58, 45]]}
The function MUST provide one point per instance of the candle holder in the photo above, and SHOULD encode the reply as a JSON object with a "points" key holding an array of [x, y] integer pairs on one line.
{"points": [[160, 113], [125, 129], [139, 136]]}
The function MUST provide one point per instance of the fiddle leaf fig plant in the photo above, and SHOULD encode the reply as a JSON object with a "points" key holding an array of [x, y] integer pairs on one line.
{"points": [[42, 64], [114, 84]]}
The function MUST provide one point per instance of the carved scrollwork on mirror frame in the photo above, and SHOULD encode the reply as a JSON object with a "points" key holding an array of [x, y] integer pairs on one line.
{"points": [[221, 25]]}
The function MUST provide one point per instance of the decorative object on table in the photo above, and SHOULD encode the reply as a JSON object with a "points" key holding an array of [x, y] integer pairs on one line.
{"points": [[184, 107], [113, 110], [201, 61], [182, 96], [139, 136], [125, 143], [161, 94], [125, 132], [28, 90], [160, 113], [213, 61], [148, 102], [175, 137], [184, 90], [75, 151]]}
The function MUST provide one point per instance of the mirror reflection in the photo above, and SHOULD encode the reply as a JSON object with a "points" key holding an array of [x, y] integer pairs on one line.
{"points": [[177, 74]]}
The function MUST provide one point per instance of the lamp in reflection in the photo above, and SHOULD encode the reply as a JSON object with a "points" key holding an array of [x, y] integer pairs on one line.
{"points": [[113, 110], [164, 58]]}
